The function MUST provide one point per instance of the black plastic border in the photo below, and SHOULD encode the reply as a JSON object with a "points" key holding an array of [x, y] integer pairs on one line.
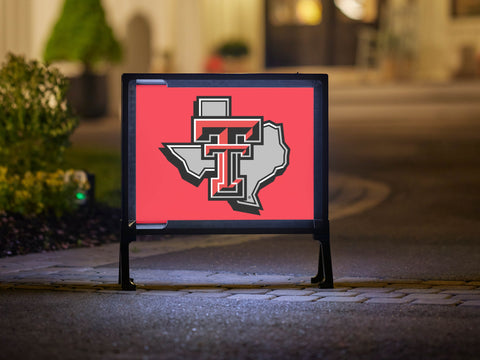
{"points": [[318, 226], [319, 82]]}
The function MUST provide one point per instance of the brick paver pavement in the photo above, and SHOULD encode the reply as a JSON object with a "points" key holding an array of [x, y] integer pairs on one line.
{"points": [[248, 287]]}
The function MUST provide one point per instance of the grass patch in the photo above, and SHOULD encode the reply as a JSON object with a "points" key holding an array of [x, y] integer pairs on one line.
{"points": [[105, 164]]}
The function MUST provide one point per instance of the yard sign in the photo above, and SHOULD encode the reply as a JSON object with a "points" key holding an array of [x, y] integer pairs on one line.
{"points": [[215, 153]]}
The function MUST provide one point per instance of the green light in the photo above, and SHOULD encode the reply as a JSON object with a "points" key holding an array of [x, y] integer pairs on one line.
{"points": [[80, 196]]}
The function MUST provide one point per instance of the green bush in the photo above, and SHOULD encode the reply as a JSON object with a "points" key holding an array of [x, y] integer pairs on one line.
{"points": [[233, 48], [36, 123], [39, 192], [83, 34], [35, 118]]}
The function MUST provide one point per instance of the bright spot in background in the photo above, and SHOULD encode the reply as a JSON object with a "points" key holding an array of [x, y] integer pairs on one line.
{"points": [[295, 12], [354, 9], [309, 12]]}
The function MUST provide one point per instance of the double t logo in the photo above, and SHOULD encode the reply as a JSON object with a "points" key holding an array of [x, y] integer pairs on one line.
{"points": [[239, 154], [227, 140]]}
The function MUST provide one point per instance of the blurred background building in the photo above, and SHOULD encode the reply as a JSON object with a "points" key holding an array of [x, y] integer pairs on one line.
{"points": [[353, 40]]}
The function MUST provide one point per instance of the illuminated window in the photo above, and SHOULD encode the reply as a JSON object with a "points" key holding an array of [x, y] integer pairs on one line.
{"points": [[295, 12]]}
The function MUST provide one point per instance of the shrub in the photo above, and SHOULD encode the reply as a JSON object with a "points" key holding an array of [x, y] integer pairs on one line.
{"points": [[83, 34], [35, 118], [36, 123], [39, 192], [233, 48]]}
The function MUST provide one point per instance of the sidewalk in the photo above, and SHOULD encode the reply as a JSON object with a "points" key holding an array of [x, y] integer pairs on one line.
{"points": [[95, 269]]}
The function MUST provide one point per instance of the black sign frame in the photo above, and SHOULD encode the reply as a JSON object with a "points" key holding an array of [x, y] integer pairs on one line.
{"points": [[318, 226]]}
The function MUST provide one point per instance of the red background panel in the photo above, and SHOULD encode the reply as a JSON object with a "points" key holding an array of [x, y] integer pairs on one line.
{"points": [[163, 115]]}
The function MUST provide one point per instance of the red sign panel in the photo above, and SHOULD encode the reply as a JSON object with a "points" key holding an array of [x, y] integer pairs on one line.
{"points": [[233, 153]]}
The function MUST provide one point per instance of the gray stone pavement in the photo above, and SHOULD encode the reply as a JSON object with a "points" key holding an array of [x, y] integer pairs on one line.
{"points": [[204, 284], [91, 270]]}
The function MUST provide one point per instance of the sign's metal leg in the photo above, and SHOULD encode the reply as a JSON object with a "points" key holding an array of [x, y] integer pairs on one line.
{"points": [[124, 264], [324, 277]]}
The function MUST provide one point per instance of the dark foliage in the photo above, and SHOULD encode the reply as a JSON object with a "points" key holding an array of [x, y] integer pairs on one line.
{"points": [[234, 48], [36, 120], [85, 227], [82, 34]]}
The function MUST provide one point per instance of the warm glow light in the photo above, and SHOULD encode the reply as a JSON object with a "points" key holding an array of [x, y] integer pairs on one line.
{"points": [[354, 9], [309, 12]]}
